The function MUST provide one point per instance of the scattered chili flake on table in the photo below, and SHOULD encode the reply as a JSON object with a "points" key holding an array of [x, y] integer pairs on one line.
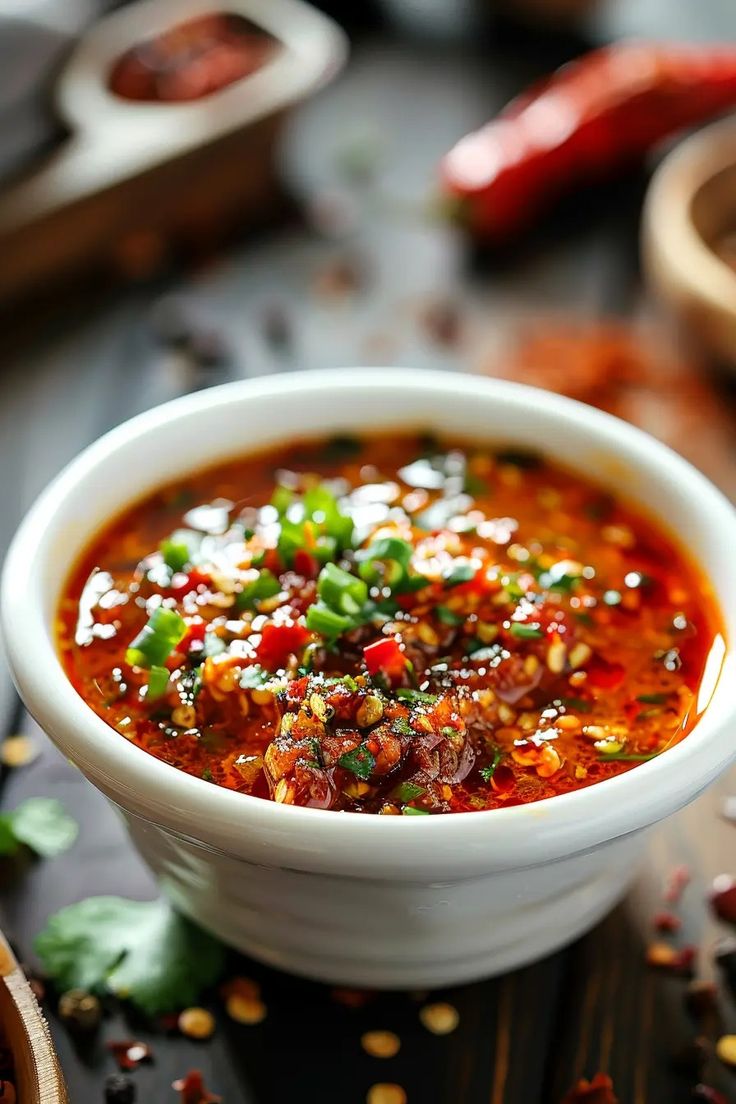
{"points": [[129, 1053], [597, 1091], [390, 625], [670, 959], [666, 922], [723, 898], [192, 1090], [386, 1093]]}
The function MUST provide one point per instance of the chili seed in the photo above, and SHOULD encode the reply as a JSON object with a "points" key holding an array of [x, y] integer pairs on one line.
{"points": [[556, 657], [726, 1049], [369, 711], [385, 1093], [80, 1010], [580, 654], [380, 1044], [119, 1089], [440, 1018], [245, 1009], [196, 1023], [18, 751]]}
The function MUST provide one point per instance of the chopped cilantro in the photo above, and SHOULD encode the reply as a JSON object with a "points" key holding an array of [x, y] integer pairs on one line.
{"points": [[360, 762], [41, 823], [139, 950], [406, 792], [525, 632], [415, 695], [489, 770], [652, 699]]}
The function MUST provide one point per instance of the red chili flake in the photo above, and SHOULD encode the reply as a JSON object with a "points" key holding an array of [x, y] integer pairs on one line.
{"points": [[605, 676], [677, 881], [305, 565], [701, 1000], [723, 898], [129, 1053], [707, 1095], [597, 1091], [351, 998], [666, 922], [664, 957], [193, 1091], [278, 642]]}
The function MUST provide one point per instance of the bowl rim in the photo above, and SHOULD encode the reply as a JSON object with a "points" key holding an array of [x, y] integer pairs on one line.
{"points": [[353, 843]]}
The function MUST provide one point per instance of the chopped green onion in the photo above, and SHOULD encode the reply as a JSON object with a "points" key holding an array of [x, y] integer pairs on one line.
{"points": [[359, 761], [653, 699], [525, 632], [282, 498], [321, 619], [341, 591], [623, 757], [407, 791], [448, 616], [415, 695], [158, 681], [461, 573], [580, 705], [265, 585], [408, 810], [157, 639], [176, 556]]}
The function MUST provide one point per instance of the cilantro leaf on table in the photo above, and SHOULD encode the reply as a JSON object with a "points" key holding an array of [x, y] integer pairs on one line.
{"points": [[141, 951], [41, 823]]}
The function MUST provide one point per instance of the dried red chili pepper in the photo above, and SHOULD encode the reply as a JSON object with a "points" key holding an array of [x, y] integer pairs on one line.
{"points": [[586, 121]]}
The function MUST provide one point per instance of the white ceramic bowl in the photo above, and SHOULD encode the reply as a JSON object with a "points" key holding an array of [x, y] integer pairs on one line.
{"points": [[345, 897]]}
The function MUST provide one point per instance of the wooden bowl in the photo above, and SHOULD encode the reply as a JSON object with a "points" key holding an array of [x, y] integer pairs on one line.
{"points": [[690, 209], [38, 1076]]}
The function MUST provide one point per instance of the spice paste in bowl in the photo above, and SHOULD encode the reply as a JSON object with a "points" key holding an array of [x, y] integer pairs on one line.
{"points": [[394, 625]]}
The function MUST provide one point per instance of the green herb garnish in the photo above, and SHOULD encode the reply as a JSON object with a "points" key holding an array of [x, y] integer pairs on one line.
{"points": [[157, 640], [460, 573], [142, 951], [266, 585], [41, 823], [158, 681], [360, 762], [409, 810], [652, 699], [406, 792], [415, 695], [624, 757], [448, 616], [525, 632], [488, 771]]}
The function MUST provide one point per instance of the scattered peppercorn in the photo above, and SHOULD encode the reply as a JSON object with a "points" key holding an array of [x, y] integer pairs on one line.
{"points": [[119, 1089], [723, 898], [726, 1049], [690, 1058], [701, 1001], [439, 1018], [79, 1010], [380, 1044], [197, 1023]]}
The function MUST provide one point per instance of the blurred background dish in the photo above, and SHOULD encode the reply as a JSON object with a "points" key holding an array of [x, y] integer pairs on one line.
{"points": [[689, 237]]}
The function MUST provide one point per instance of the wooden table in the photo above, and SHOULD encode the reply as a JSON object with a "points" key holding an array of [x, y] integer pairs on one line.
{"points": [[523, 1038]]}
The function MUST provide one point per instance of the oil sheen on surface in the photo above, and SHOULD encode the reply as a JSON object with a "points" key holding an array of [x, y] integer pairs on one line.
{"points": [[395, 625]]}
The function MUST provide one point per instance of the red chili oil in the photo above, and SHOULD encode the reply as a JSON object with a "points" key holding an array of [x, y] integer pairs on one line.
{"points": [[395, 625]]}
